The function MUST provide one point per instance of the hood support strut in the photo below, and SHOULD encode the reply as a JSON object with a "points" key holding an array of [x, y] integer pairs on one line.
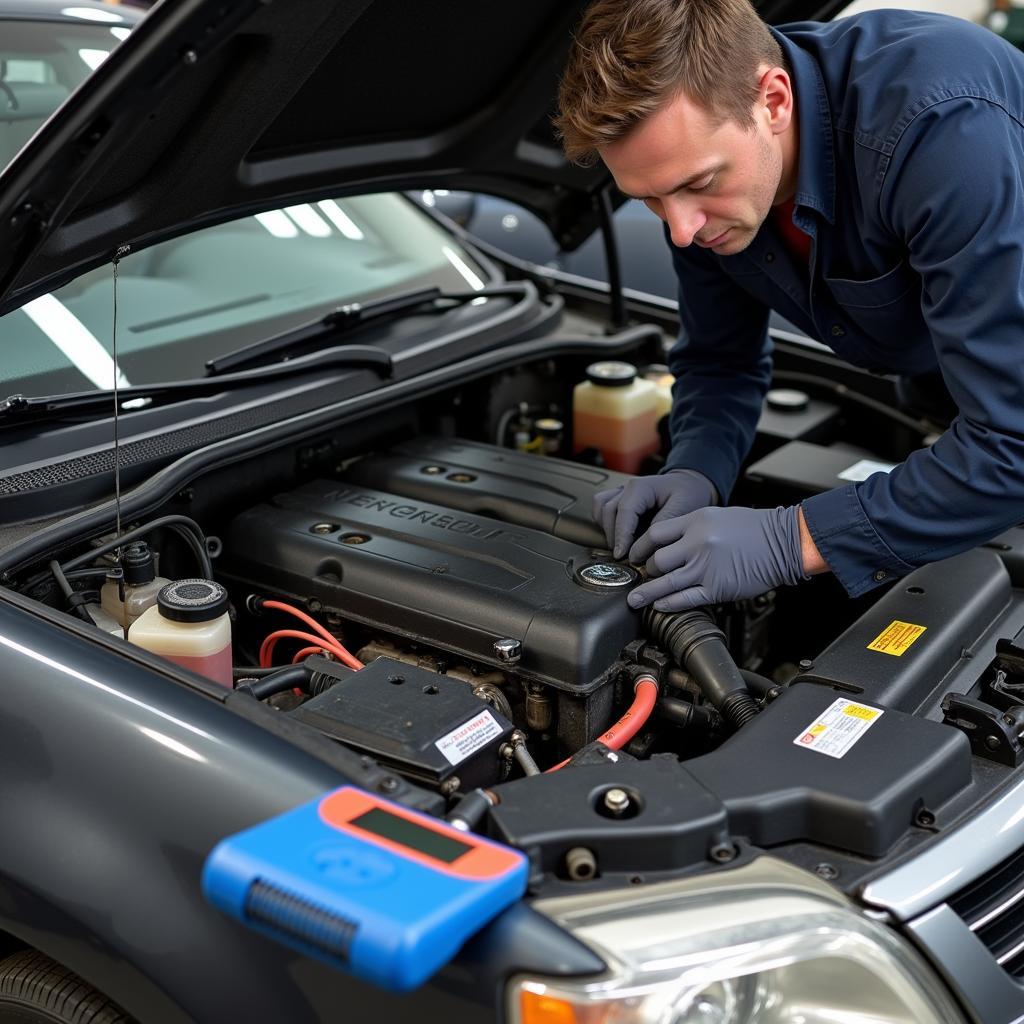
{"points": [[603, 201]]}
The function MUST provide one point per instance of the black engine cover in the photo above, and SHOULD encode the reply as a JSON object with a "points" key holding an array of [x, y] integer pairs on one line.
{"points": [[543, 493], [452, 580]]}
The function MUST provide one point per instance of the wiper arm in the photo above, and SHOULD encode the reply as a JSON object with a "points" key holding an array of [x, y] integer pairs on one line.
{"points": [[18, 408], [345, 318]]}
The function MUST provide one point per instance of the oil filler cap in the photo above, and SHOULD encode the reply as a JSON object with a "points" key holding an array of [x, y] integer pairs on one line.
{"points": [[606, 575]]}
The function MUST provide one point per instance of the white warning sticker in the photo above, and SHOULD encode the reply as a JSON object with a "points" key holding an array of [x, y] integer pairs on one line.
{"points": [[838, 727], [863, 469], [469, 737]]}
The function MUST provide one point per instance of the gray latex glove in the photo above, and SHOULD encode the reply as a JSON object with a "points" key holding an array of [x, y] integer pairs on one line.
{"points": [[717, 554], [618, 510]]}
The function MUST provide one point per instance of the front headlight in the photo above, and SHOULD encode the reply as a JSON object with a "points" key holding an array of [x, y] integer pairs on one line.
{"points": [[763, 944]]}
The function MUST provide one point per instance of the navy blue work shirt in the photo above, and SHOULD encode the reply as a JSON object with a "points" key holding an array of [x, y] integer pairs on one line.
{"points": [[910, 184]]}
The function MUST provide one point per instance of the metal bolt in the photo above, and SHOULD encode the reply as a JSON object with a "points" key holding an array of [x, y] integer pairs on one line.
{"points": [[925, 819], [450, 786], [617, 801], [190, 57], [432, 470], [805, 665], [314, 605], [773, 694], [992, 742], [388, 784], [462, 478], [355, 538], [827, 871], [722, 853], [322, 528], [508, 650]]}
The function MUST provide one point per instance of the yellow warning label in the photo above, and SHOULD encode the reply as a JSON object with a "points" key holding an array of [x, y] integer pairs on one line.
{"points": [[896, 638], [859, 711]]}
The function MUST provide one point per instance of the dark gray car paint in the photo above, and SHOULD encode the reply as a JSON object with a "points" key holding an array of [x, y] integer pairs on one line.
{"points": [[115, 783]]}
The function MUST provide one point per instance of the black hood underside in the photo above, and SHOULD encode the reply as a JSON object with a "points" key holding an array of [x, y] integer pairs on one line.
{"points": [[216, 108]]}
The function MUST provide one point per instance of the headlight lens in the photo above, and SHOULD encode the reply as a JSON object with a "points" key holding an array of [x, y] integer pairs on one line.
{"points": [[770, 946]]}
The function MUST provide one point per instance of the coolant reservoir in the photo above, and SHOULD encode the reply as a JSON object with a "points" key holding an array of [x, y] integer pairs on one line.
{"points": [[189, 625], [659, 376], [141, 585], [616, 413]]}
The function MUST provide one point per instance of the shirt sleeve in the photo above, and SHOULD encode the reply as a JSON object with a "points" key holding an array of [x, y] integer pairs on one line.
{"points": [[722, 365], [954, 196]]}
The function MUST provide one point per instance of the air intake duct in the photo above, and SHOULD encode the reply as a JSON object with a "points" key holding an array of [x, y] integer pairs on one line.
{"points": [[697, 645]]}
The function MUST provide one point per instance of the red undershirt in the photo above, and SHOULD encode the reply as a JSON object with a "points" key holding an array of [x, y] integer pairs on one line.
{"points": [[798, 243]]}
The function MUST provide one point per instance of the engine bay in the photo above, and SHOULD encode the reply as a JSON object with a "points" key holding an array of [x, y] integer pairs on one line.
{"points": [[447, 607]]}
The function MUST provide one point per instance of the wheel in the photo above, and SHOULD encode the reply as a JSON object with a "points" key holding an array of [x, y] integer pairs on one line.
{"points": [[36, 990]]}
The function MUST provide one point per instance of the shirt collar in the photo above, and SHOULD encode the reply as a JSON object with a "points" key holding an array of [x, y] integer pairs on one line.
{"points": [[816, 179]]}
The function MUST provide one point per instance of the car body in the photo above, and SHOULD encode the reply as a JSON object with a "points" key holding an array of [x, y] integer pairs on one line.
{"points": [[219, 309]]}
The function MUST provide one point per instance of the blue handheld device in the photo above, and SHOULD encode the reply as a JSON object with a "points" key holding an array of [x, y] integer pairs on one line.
{"points": [[365, 884]]}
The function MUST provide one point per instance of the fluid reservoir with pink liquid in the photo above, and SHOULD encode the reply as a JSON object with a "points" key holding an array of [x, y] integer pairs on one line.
{"points": [[617, 413], [189, 625]]}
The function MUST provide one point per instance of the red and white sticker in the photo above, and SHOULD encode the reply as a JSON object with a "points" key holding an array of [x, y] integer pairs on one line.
{"points": [[838, 727], [469, 737]]}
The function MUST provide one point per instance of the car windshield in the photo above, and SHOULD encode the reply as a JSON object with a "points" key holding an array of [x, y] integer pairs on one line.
{"points": [[184, 301], [43, 62]]}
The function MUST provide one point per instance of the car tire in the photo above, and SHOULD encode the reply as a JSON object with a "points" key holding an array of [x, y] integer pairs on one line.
{"points": [[36, 990]]}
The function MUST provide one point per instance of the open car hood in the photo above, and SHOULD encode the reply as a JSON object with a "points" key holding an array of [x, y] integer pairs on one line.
{"points": [[212, 109]]}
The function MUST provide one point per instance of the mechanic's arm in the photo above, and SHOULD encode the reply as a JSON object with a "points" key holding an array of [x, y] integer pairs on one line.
{"points": [[954, 193], [722, 366]]}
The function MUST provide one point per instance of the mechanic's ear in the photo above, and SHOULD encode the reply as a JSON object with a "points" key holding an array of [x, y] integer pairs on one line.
{"points": [[776, 98]]}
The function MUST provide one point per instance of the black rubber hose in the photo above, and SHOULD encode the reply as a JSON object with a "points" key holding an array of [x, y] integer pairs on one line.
{"points": [[199, 548], [757, 683], [698, 645], [69, 593], [686, 714], [277, 682]]}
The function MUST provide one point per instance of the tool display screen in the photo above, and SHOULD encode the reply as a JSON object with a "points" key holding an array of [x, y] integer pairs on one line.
{"points": [[408, 833]]}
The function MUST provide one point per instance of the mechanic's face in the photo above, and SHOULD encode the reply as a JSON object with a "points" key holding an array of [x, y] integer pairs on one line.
{"points": [[712, 184]]}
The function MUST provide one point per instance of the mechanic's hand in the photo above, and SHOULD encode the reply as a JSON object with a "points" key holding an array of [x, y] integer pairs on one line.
{"points": [[618, 511], [717, 554]]}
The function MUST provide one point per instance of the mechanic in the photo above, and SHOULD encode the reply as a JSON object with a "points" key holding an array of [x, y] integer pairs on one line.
{"points": [[864, 179]]}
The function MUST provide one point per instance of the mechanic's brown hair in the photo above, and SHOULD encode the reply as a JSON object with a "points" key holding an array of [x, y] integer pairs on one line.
{"points": [[629, 57]]}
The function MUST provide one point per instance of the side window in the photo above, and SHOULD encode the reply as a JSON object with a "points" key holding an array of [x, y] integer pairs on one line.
{"points": [[646, 265]]}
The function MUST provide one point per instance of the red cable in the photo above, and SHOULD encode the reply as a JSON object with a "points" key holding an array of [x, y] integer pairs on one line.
{"points": [[631, 722], [267, 647], [333, 644], [306, 652]]}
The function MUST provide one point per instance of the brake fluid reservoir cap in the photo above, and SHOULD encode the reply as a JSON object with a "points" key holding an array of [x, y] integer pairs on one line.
{"points": [[606, 575], [192, 600], [611, 374], [787, 400]]}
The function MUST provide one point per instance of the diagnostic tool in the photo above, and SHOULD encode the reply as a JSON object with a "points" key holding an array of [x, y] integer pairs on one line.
{"points": [[364, 884]]}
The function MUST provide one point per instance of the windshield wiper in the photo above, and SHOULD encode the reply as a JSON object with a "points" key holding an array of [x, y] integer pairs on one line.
{"points": [[223, 371], [346, 318], [19, 408]]}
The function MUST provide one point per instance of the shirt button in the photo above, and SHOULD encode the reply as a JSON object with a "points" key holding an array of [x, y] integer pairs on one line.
{"points": [[769, 257], [880, 574], [838, 330]]}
